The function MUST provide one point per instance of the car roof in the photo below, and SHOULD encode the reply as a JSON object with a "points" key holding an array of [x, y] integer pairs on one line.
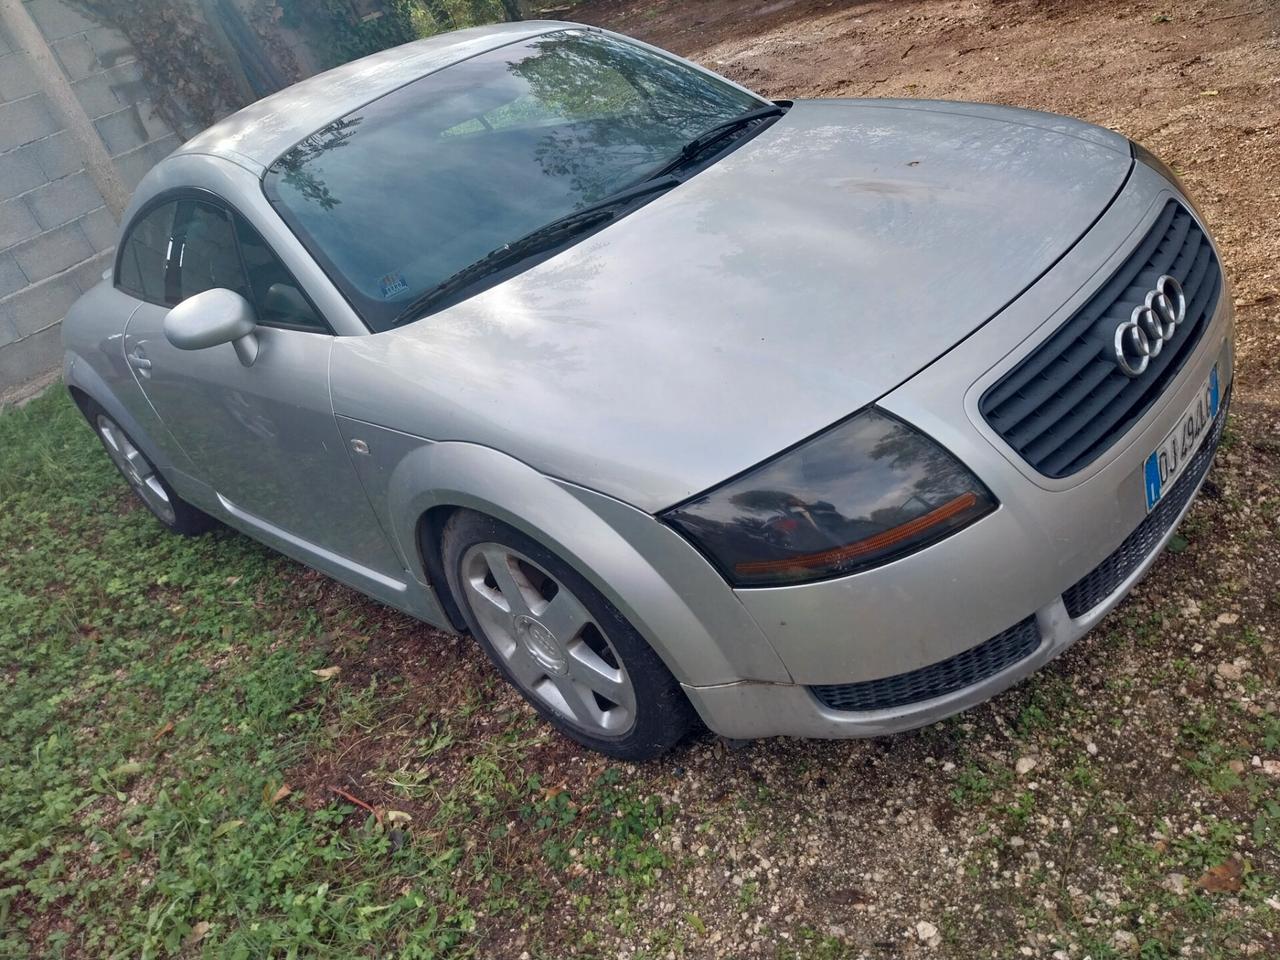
{"points": [[262, 131]]}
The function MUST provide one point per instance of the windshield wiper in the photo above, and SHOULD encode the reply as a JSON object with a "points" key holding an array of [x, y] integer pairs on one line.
{"points": [[713, 135], [546, 237]]}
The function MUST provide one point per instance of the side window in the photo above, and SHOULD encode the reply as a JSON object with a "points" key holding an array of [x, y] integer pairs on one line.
{"points": [[185, 247], [145, 253], [276, 295], [204, 254]]}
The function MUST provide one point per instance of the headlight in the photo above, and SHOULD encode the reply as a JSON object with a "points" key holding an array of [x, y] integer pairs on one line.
{"points": [[867, 491]]}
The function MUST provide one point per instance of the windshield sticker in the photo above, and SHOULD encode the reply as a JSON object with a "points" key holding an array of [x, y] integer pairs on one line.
{"points": [[392, 284]]}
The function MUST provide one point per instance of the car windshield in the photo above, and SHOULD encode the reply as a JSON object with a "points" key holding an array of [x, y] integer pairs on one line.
{"points": [[402, 194]]}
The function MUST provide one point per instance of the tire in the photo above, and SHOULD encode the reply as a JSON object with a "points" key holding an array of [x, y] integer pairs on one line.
{"points": [[557, 640], [143, 478]]}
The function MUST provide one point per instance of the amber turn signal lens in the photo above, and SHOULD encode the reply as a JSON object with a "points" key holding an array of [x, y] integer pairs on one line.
{"points": [[881, 541]]}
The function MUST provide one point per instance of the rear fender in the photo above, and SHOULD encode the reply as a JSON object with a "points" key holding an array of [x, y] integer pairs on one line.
{"points": [[78, 373]]}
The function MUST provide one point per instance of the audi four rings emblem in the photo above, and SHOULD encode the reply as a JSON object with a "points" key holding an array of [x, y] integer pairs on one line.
{"points": [[1143, 335]]}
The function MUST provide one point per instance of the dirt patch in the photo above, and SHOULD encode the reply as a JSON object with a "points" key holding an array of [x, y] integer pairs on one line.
{"points": [[1197, 82]]}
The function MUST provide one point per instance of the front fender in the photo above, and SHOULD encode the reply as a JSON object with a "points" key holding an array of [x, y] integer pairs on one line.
{"points": [[672, 596]]}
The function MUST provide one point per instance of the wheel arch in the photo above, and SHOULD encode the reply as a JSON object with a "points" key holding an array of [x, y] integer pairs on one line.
{"points": [[436, 479], [428, 538]]}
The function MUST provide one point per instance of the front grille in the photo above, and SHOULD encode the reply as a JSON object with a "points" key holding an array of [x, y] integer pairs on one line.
{"points": [[1067, 402], [963, 670], [1105, 579]]}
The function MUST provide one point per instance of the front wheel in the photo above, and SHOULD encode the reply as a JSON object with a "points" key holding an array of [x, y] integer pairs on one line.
{"points": [[556, 638]]}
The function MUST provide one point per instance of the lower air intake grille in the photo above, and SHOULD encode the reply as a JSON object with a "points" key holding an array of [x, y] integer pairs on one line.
{"points": [[938, 679], [1105, 579]]}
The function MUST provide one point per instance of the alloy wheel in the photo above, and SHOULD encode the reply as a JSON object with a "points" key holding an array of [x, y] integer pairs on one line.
{"points": [[549, 642], [136, 468]]}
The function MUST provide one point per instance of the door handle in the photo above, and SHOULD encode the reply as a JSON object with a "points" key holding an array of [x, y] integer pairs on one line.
{"points": [[138, 360]]}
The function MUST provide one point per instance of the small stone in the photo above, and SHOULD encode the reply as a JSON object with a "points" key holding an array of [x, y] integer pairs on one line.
{"points": [[1271, 768], [1091, 748], [1236, 766], [926, 931], [1228, 618], [1230, 671], [1024, 766], [1175, 883], [1124, 941]]}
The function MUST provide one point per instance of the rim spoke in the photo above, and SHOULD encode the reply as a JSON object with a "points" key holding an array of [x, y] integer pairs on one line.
{"points": [[136, 460], [109, 435], [107, 432], [564, 616], [590, 671], [491, 610], [527, 670], [154, 494], [577, 701], [504, 575]]}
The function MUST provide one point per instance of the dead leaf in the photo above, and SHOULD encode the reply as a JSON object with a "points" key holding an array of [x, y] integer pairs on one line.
{"points": [[398, 816], [198, 933], [327, 673], [1208, 93], [280, 794], [232, 581], [166, 729], [1226, 877]]}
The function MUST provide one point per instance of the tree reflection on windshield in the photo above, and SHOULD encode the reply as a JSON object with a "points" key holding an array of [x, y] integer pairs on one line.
{"points": [[417, 185]]}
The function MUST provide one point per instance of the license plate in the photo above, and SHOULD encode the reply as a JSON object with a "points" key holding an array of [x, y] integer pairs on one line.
{"points": [[1169, 460]]}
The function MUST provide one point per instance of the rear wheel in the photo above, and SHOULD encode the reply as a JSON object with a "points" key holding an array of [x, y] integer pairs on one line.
{"points": [[151, 488], [556, 638]]}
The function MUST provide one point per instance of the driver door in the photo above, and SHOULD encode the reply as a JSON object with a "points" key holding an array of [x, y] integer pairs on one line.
{"points": [[262, 436]]}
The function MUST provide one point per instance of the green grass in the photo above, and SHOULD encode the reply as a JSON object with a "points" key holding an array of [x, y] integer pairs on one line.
{"points": [[156, 693], [157, 696]]}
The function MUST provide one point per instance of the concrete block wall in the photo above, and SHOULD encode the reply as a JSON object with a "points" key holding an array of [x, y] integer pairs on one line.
{"points": [[56, 236]]}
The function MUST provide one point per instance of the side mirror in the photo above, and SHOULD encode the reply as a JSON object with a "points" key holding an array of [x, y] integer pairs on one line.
{"points": [[213, 317]]}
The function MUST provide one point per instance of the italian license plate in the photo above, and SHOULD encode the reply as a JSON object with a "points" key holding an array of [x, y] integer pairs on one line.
{"points": [[1169, 460]]}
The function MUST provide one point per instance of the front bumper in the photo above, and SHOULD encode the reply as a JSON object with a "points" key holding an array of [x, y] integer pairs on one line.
{"points": [[930, 608], [748, 710]]}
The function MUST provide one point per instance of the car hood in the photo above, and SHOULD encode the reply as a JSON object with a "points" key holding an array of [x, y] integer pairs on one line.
{"points": [[802, 276]]}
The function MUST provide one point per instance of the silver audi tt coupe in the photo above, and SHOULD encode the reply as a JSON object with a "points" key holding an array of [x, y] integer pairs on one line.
{"points": [[820, 418]]}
